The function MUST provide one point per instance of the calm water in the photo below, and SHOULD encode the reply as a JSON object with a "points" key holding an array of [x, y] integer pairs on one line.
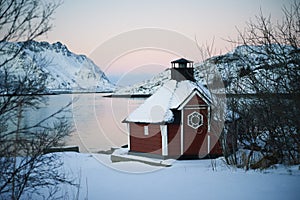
{"points": [[97, 119]]}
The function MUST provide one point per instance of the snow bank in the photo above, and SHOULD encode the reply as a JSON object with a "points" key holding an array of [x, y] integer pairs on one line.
{"points": [[121, 154], [197, 179]]}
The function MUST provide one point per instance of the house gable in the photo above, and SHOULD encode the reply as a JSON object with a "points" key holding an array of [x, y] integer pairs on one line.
{"points": [[173, 122], [195, 99]]}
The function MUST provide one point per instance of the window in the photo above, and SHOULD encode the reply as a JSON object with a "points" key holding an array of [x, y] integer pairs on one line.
{"points": [[146, 130], [195, 120]]}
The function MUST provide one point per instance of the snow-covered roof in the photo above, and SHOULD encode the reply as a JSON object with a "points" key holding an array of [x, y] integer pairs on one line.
{"points": [[158, 107], [182, 60]]}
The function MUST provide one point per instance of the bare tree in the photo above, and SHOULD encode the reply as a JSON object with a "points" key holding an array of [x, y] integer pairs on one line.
{"points": [[269, 119], [24, 168]]}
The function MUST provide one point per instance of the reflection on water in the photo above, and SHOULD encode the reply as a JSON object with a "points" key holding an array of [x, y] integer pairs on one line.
{"points": [[51, 104], [97, 120]]}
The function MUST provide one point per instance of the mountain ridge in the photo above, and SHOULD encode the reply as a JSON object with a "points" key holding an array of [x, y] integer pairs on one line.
{"points": [[233, 72], [67, 72]]}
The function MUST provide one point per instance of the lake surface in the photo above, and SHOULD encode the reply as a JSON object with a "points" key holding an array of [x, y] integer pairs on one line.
{"points": [[97, 119]]}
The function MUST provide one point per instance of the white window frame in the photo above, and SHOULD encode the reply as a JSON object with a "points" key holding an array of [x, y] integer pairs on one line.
{"points": [[146, 130]]}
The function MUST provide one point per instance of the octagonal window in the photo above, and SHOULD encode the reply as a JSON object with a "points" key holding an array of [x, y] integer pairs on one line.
{"points": [[195, 120]]}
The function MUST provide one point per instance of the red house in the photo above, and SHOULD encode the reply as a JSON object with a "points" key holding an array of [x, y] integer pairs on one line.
{"points": [[175, 121]]}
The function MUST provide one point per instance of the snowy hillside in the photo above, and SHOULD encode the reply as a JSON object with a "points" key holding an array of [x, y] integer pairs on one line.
{"points": [[237, 70], [146, 87], [252, 69], [67, 72]]}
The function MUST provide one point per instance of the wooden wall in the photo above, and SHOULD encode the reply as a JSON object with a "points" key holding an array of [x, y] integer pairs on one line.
{"points": [[174, 143], [195, 141], [139, 142]]}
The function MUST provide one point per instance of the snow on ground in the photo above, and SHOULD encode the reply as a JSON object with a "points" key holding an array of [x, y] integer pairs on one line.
{"points": [[194, 179]]}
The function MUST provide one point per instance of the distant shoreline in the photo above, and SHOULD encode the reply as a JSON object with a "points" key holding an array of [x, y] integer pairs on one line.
{"points": [[128, 95], [110, 94], [58, 93]]}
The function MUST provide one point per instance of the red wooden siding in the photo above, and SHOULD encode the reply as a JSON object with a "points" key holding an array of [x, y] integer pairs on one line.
{"points": [[174, 144], [139, 142], [196, 100], [215, 145], [195, 140]]}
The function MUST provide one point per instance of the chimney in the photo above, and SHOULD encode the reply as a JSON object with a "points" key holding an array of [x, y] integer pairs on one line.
{"points": [[182, 69]]}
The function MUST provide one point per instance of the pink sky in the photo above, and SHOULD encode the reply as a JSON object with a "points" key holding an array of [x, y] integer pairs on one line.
{"points": [[85, 26]]}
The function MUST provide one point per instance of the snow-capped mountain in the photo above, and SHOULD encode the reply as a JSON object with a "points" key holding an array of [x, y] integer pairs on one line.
{"points": [[246, 69], [67, 72]]}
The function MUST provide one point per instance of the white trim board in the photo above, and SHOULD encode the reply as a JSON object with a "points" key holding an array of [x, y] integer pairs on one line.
{"points": [[164, 139], [195, 92], [181, 132]]}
